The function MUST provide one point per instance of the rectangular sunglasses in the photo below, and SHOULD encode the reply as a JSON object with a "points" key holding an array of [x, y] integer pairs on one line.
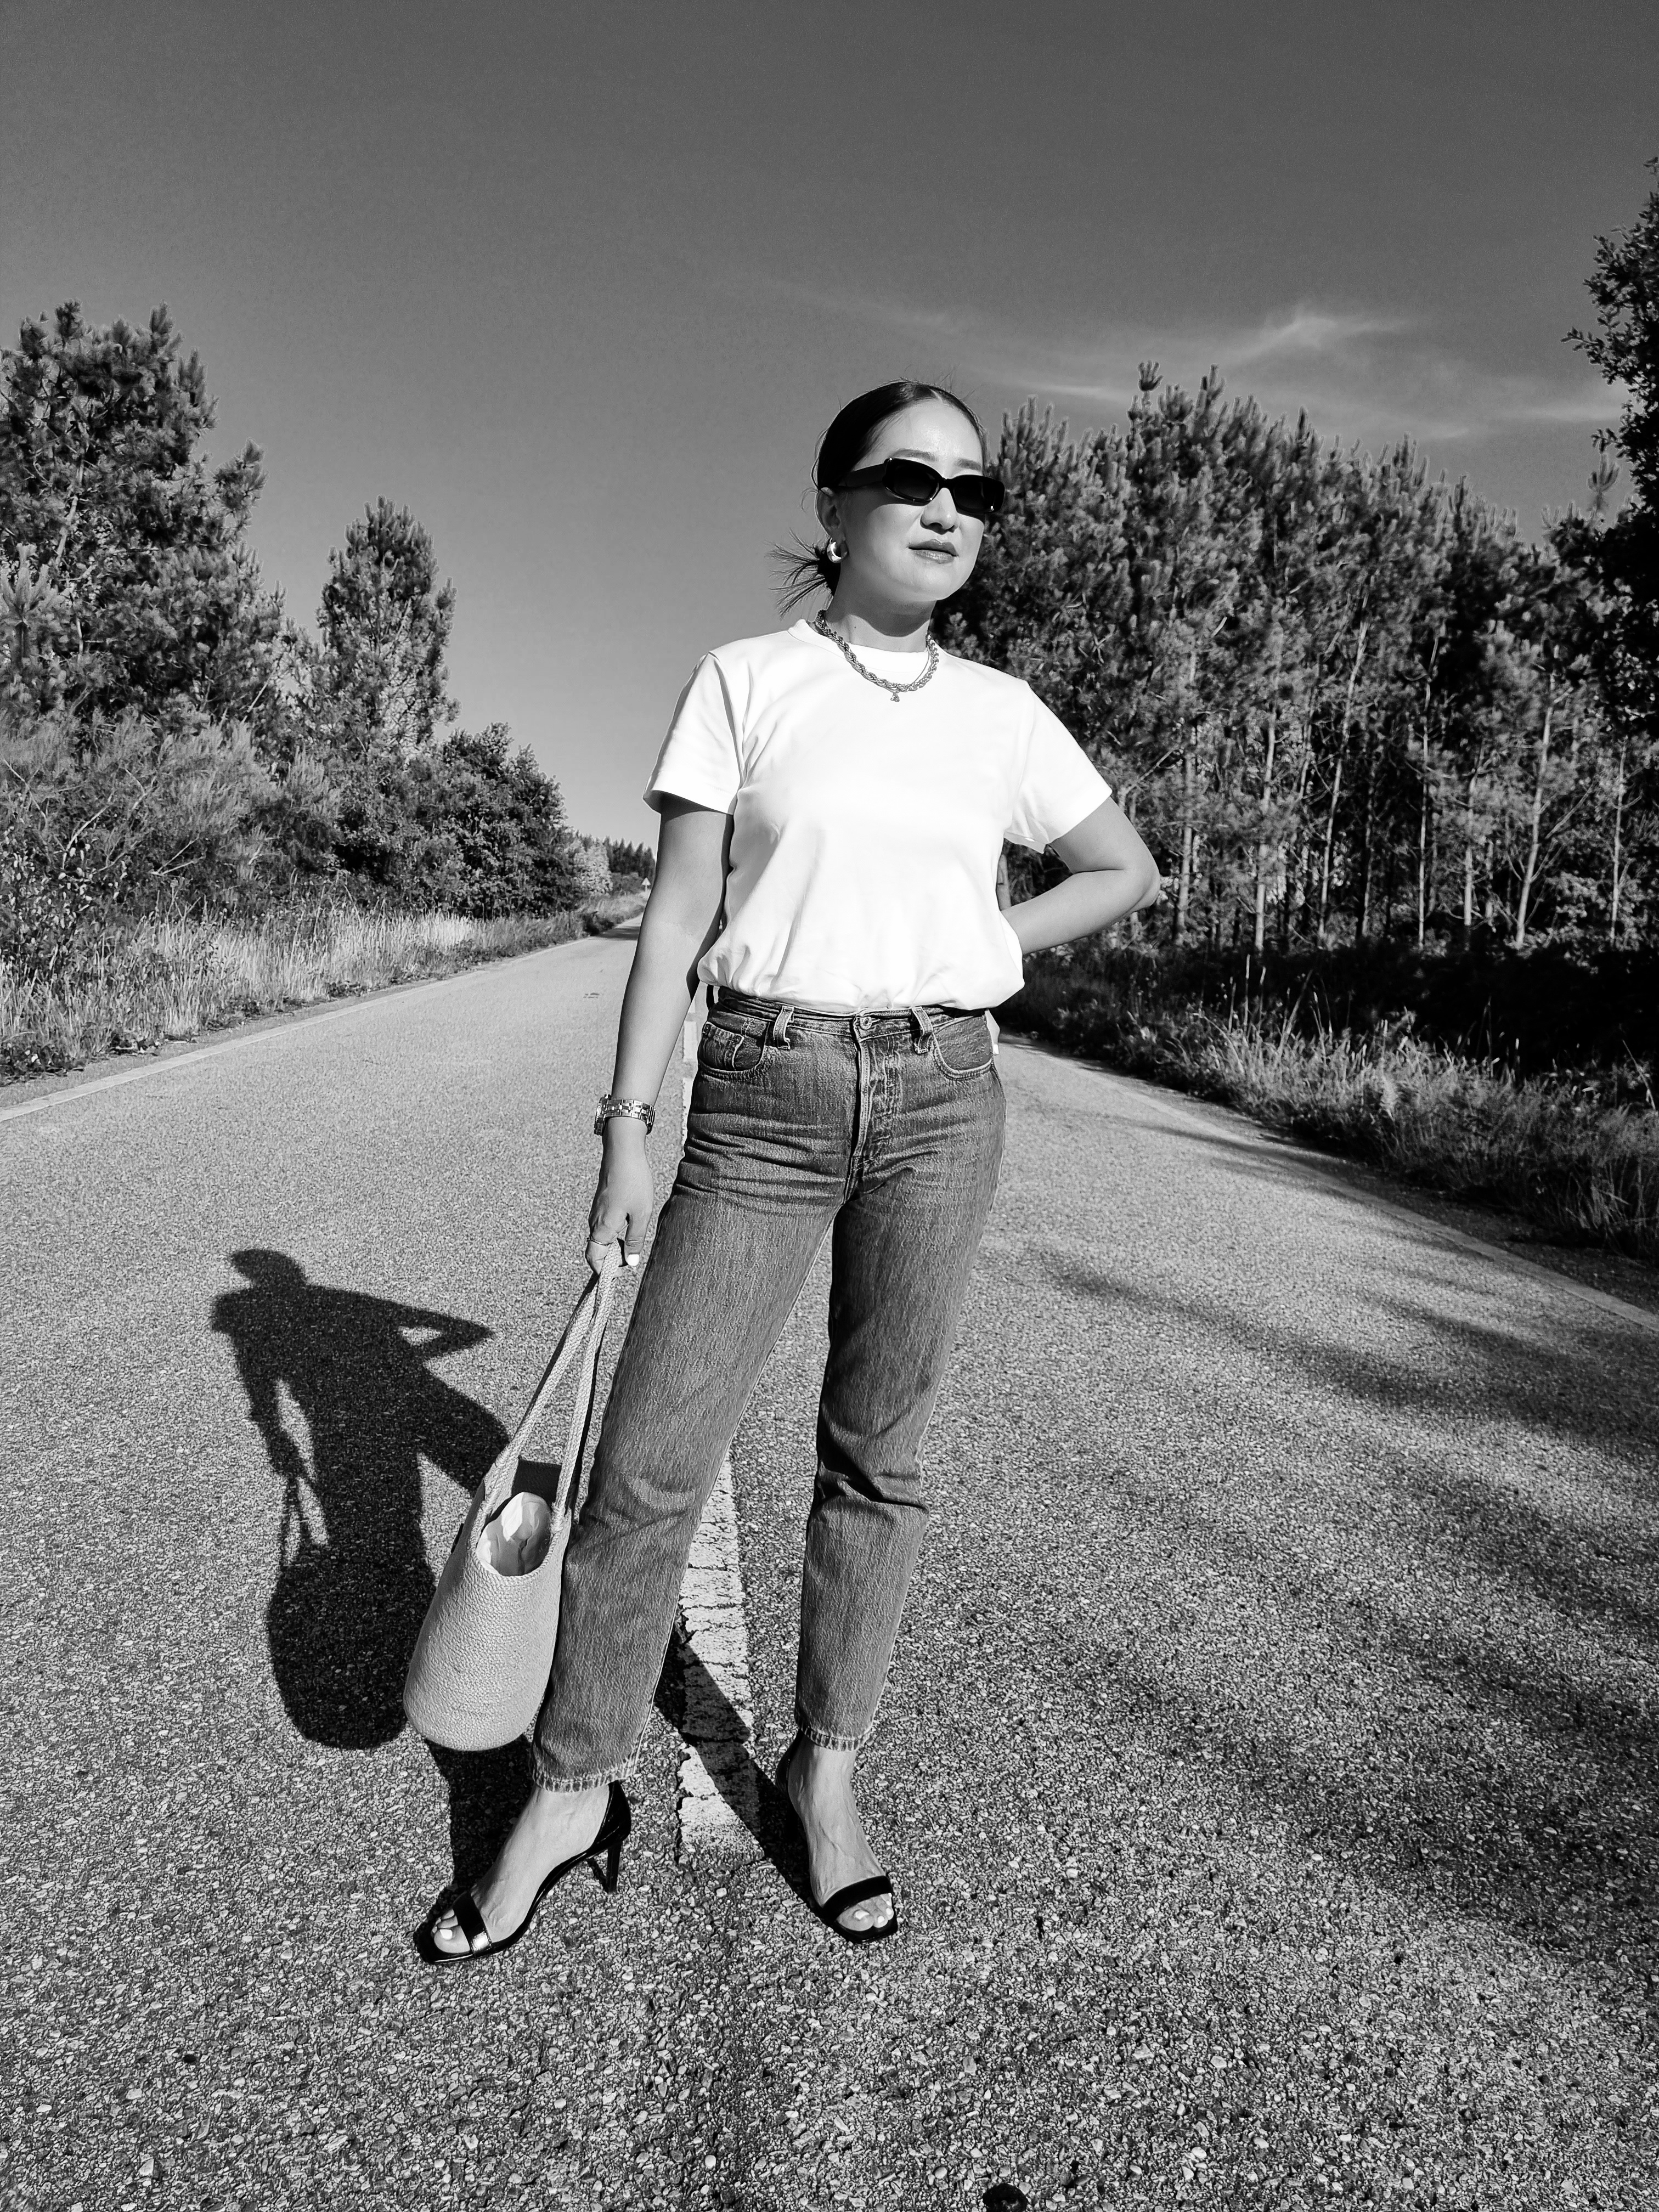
{"points": [[916, 484]]}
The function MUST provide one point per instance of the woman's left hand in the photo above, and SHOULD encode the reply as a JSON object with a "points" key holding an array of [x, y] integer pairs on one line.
{"points": [[1112, 874]]}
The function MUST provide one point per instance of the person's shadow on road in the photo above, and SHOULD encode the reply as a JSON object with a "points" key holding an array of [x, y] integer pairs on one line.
{"points": [[352, 1582]]}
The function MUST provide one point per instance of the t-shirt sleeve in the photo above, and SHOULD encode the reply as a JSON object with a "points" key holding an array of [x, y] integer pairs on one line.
{"points": [[1060, 787], [701, 759]]}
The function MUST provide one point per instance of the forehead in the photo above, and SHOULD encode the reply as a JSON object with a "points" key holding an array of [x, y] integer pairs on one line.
{"points": [[932, 430]]}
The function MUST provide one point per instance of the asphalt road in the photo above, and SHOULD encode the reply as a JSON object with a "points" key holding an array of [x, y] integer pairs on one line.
{"points": [[1268, 1770]]}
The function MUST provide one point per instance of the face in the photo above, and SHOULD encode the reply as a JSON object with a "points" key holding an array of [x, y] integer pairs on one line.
{"points": [[913, 555]]}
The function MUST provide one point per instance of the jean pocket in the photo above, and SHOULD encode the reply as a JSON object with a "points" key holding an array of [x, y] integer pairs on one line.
{"points": [[962, 1047], [729, 1049]]}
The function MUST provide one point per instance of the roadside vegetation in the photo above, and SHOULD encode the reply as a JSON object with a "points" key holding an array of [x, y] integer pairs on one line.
{"points": [[1574, 1151], [164, 979], [207, 812], [1399, 767]]}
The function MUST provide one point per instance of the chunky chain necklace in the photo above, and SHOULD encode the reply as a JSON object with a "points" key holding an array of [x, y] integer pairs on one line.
{"points": [[896, 691]]}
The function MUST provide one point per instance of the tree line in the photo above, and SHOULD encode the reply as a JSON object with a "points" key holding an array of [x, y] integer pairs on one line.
{"points": [[168, 734], [1346, 700]]}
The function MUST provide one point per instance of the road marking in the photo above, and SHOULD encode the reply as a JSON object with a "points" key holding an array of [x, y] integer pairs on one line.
{"points": [[278, 1025], [716, 1809]]}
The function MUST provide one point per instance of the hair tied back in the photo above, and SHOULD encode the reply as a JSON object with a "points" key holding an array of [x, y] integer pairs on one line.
{"points": [[805, 569]]}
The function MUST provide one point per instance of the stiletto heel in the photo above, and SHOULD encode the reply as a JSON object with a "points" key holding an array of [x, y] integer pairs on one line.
{"points": [[614, 1832], [612, 1866]]}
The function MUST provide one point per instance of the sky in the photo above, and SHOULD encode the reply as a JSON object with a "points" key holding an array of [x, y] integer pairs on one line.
{"points": [[582, 286]]}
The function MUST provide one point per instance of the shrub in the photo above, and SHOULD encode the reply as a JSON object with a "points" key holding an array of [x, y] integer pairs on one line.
{"points": [[471, 826], [1578, 1154], [128, 812], [1545, 1011], [133, 989], [176, 813], [45, 903]]}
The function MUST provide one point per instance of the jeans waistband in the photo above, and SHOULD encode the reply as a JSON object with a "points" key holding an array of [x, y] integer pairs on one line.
{"points": [[740, 1002], [780, 1014]]}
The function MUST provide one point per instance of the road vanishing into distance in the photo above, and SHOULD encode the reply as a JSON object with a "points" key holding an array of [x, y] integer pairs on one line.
{"points": [[1267, 1775]]}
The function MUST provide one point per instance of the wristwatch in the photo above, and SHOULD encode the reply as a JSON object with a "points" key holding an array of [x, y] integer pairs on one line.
{"points": [[636, 1109]]}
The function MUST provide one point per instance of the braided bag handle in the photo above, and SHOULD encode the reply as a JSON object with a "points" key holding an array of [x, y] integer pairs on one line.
{"points": [[583, 1334]]}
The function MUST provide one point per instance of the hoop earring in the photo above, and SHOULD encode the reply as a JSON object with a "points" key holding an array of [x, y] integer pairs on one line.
{"points": [[833, 552]]}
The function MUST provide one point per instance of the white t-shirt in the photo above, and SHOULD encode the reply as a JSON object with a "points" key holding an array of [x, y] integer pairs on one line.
{"points": [[866, 834]]}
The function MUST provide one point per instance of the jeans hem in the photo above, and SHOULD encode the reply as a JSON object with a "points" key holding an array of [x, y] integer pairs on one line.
{"points": [[826, 1738], [542, 1778]]}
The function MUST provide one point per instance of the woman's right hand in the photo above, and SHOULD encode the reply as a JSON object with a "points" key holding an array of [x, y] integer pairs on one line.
{"points": [[622, 1205]]}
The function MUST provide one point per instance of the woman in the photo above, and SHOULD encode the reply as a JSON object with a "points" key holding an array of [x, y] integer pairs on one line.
{"points": [[834, 801]]}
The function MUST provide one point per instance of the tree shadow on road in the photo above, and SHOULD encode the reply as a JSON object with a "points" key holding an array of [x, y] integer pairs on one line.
{"points": [[1423, 1621], [352, 1582], [1485, 1378]]}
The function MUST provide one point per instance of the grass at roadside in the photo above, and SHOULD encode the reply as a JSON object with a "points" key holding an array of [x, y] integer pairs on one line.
{"points": [[607, 912], [1550, 1148], [174, 979]]}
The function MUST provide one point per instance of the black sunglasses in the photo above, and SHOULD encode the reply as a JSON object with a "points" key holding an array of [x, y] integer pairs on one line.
{"points": [[916, 484]]}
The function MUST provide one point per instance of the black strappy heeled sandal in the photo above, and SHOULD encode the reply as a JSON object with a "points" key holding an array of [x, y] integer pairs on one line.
{"points": [[850, 1893], [613, 1833]]}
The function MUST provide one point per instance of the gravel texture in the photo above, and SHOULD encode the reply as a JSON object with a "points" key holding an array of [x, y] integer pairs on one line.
{"points": [[1268, 1774]]}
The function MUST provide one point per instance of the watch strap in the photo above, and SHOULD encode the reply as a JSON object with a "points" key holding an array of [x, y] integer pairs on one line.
{"points": [[633, 1109]]}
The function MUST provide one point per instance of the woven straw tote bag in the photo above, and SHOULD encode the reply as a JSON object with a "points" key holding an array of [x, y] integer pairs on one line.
{"points": [[481, 1661]]}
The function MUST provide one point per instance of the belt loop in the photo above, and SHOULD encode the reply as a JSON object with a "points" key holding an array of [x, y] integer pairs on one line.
{"points": [[780, 1030], [924, 1022]]}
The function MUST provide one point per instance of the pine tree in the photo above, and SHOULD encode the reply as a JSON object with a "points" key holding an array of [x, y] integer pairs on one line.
{"points": [[1343, 702], [378, 680], [127, 582]]}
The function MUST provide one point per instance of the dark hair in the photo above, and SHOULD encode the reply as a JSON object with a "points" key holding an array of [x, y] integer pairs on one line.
{"points": [[842, 447]]}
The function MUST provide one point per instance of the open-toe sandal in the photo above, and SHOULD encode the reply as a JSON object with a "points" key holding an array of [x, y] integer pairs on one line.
{"points": [[606, 1846], [852, 1893]]}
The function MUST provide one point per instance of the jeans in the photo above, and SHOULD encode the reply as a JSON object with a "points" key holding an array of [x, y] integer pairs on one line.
{"points": [[885, 1130]]}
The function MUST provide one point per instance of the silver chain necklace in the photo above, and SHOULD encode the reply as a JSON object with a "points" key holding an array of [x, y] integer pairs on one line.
{"points": [[895, 691]]}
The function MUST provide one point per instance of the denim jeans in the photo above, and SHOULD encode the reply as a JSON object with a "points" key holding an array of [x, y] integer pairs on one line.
{"points": [[885, 1130]]}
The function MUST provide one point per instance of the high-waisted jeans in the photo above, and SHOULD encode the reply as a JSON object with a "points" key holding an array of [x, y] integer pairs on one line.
{"points": [[885, 1130]]}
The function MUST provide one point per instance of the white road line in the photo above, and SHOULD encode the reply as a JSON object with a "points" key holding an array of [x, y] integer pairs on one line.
{"points": [[716, 1809], [717, 1804], [279, 1026], [164, 1066]]}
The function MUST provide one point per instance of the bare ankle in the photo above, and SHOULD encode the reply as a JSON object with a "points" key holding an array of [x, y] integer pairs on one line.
{"points": [[824, 1769]]}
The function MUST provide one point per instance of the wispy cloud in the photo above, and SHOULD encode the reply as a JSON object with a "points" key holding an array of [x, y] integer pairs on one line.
{"points": [[1359, 374], [1367, 376], [1311, 333]]}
